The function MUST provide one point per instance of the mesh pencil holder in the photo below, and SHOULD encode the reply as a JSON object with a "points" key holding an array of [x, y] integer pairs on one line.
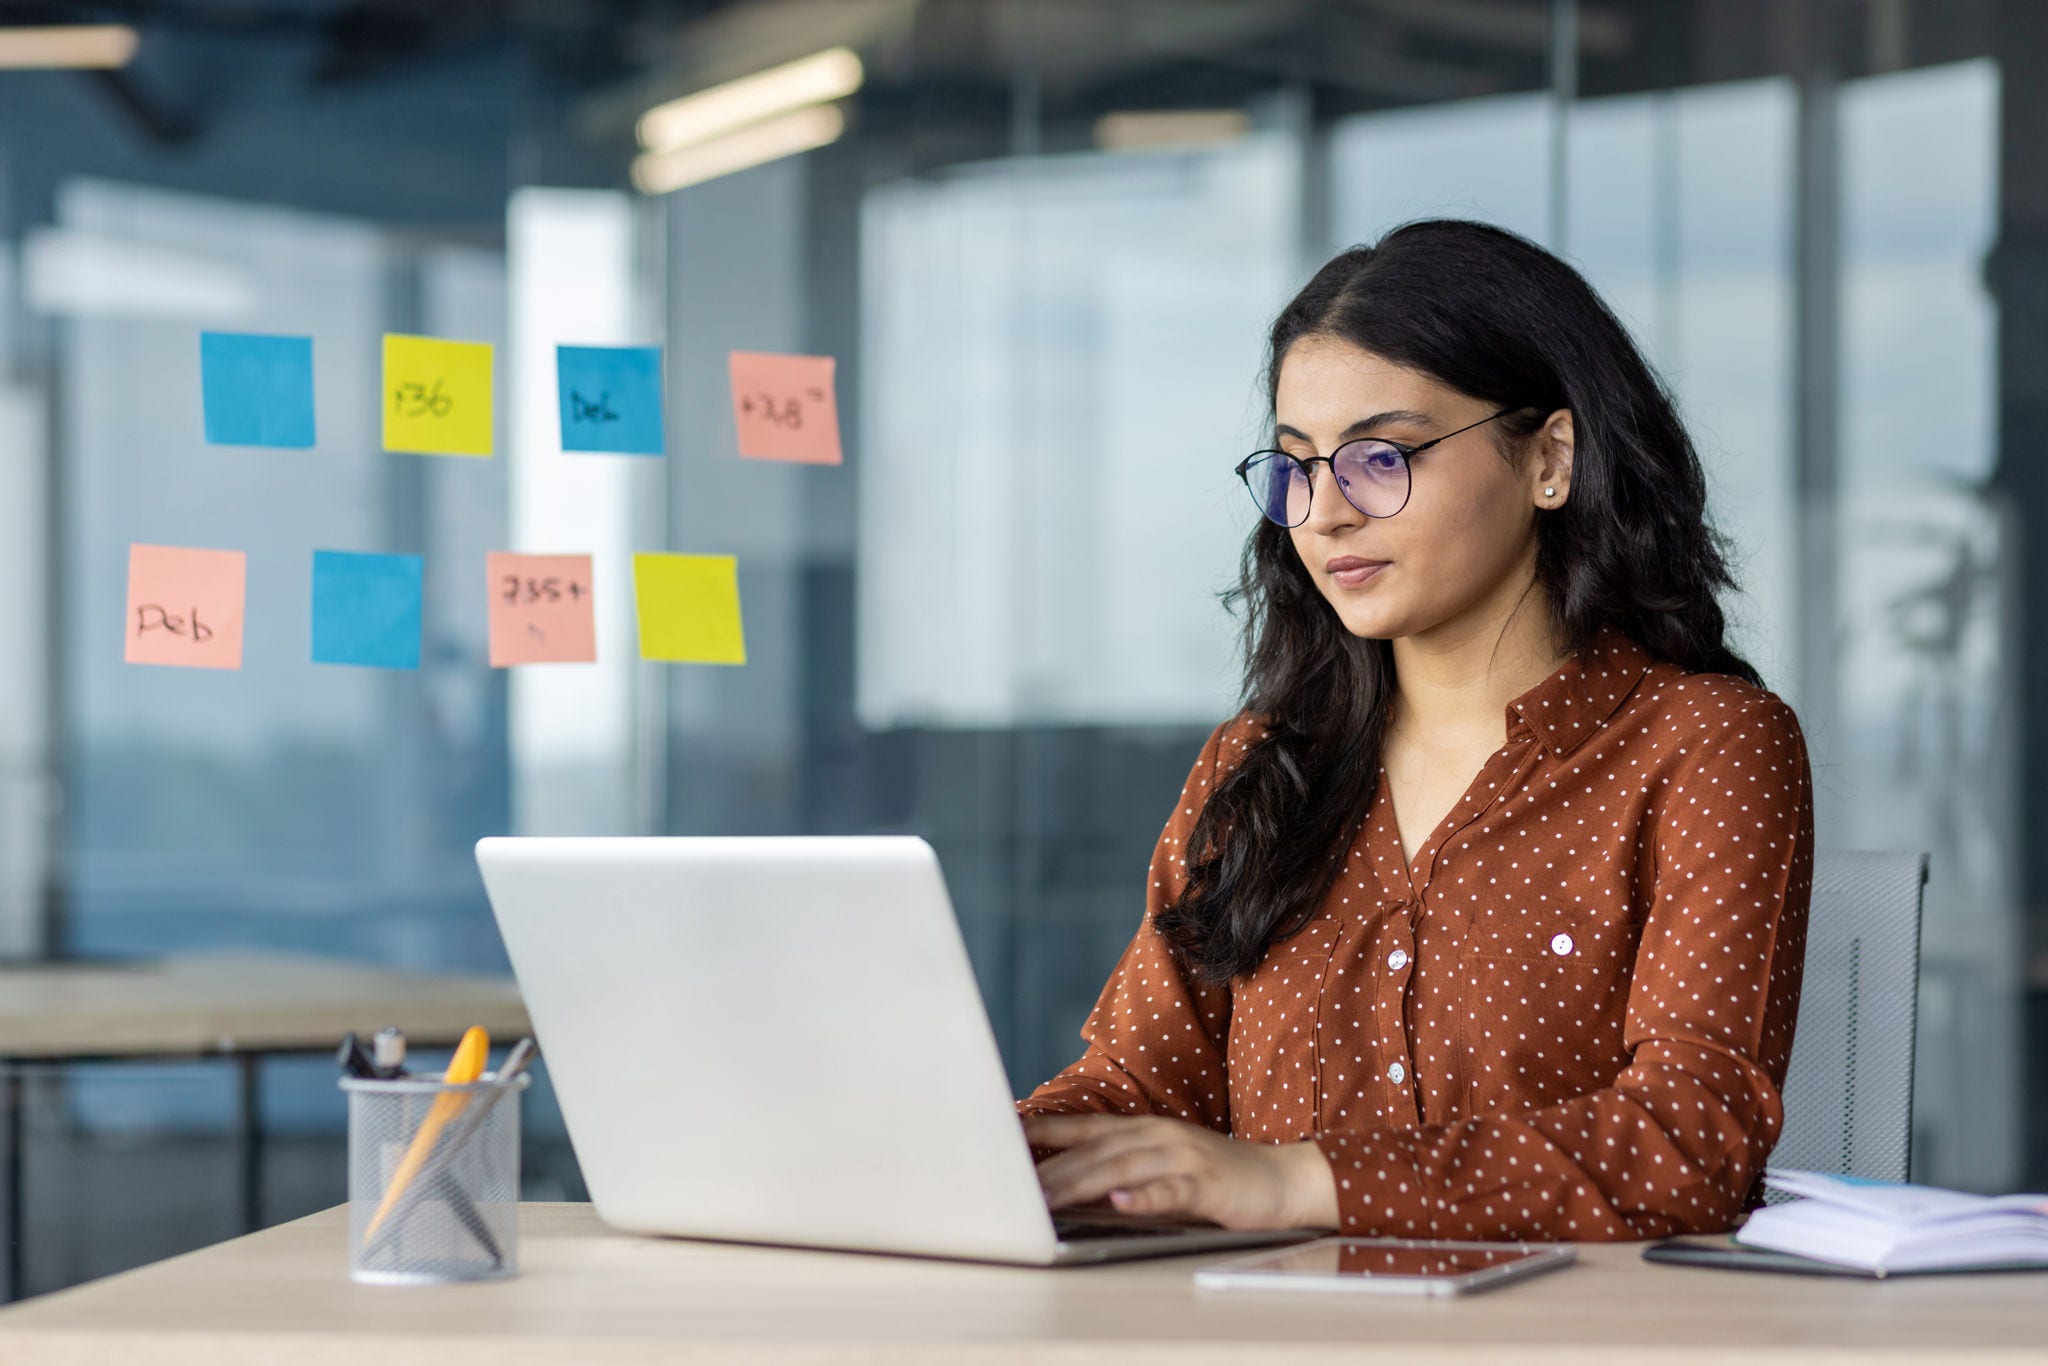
{"points": [[433, 1179]]}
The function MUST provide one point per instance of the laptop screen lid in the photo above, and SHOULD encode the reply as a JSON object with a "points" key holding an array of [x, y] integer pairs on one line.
{"points": [[769, 1039]]}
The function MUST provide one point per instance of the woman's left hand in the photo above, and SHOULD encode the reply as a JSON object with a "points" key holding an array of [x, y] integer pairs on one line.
{"points": [[1149, 1164]]}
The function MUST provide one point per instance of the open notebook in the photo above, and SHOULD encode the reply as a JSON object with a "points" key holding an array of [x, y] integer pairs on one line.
{"points": [[1890, 1227]]}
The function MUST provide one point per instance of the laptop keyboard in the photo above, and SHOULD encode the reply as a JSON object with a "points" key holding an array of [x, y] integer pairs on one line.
{"points": [[1067, 1228]]}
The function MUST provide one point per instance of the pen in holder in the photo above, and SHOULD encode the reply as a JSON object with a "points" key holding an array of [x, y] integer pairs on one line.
{"points": [[433, 1177]]}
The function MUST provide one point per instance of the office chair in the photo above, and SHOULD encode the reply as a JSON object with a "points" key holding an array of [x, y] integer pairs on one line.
{"points": [[1849, 1089]]}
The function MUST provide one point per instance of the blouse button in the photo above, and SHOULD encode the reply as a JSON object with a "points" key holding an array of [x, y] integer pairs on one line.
{"points": [[1398, 959], [1561, 944], [1396, 1073]]}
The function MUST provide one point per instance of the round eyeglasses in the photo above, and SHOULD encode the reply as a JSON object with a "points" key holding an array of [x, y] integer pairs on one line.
{"points": [[1372, 473]]}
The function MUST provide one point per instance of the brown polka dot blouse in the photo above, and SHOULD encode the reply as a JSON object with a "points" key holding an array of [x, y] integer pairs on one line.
{"points": [[1568, 1018]]}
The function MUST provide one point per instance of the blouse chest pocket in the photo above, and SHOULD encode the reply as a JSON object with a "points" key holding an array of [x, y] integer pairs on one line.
{"points": [[1271, 1049], [1550, 929], [1548, 980]]}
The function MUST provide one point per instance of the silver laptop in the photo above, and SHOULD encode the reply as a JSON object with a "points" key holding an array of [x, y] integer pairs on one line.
{"points": [[779, 1040]]}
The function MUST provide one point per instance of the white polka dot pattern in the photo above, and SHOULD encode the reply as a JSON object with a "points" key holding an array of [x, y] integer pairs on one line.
{"points": [[1569, 1018]]}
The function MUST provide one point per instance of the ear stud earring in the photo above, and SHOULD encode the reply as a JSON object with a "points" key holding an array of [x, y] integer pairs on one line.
{"points": [[1550, 493]]}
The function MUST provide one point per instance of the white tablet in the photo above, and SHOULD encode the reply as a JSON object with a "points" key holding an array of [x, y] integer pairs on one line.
{"points": [[1397, 1266]]}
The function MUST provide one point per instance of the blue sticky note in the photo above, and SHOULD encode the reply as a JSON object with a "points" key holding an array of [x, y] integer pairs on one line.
{"points": [[257, 390], [366, 609], [610, 399]]}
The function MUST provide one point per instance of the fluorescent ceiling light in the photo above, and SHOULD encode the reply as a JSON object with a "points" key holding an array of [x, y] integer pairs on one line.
{"points": [[828, 75], [68, 46], [803, 131], [1170, 128]]}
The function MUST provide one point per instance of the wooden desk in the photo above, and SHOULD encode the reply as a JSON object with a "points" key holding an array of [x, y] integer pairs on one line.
{"points": [[241, 1006], [589, 1296], [215, 1004]]}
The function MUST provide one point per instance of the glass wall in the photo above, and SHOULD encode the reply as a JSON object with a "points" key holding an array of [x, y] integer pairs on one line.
{"points": [[1044, 252], [1924, 690]]}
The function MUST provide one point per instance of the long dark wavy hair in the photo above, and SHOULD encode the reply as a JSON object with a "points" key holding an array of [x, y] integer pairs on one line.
{"points": [[1495, 316]]}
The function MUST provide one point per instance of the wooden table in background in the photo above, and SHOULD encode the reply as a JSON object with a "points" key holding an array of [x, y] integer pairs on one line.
{"points": [[596, 1298], [240, 1006]]}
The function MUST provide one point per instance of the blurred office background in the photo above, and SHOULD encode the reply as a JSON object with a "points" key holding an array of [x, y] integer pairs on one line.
{"points": [[1044, 239]]}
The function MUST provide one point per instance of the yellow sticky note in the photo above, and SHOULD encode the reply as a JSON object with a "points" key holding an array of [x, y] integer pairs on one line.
{"points": [[437, 396], [689, 608]]}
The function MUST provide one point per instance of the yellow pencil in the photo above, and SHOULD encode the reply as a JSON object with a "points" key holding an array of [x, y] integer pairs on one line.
{"points": [[466, 1066]]}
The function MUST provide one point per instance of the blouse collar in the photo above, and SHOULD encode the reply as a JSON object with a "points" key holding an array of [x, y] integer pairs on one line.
{"points": [[1566, 708]]}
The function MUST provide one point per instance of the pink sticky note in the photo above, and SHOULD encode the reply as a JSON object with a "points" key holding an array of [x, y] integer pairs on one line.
{"points": [[185, 606], [540, 609], [784, 407]]}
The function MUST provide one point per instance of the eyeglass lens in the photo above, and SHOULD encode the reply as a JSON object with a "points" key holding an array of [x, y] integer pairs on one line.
{"points": [[1371, 474]]}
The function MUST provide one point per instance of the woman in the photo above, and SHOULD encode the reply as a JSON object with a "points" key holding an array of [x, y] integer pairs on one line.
{"points": [[1485, 916]]}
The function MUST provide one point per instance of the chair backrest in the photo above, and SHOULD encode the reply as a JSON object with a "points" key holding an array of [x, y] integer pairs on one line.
{"points": [[1849, 1090]]}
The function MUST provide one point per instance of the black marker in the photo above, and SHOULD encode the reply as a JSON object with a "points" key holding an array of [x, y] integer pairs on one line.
{"points": [[352, 1058]]}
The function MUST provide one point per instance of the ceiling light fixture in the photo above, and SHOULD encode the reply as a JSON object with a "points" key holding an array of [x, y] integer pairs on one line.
{"points": [[1170, 128], [67, 47], [708, 114], [754, 145]]}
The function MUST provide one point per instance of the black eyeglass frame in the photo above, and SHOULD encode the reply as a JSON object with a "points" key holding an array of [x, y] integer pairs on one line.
{"points": [[1405, 451]]}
